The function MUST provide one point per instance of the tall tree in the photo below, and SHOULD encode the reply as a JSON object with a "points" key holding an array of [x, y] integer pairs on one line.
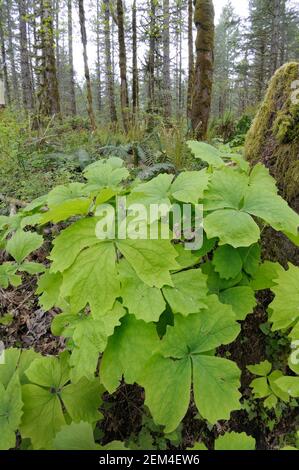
{"points": [[98, 61], [203, 75], [48, 94], [26, 77], [109, 66], [15, 95], [166, 61], [135, 87], [86, 66], [151, 57], [73, 107], [190, 58], [3, 64], [124, 97]]}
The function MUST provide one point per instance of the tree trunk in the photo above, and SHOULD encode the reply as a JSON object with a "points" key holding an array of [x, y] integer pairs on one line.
{"points": [[275, 40], [190, 59], [124, 97], [73, 107], [203, 76], [135, 91], [151, 58], [166, 61], [98, 65], [11, 54], [3, 69], [109, 70], [26, 78], [86, 67], [49, 99]]}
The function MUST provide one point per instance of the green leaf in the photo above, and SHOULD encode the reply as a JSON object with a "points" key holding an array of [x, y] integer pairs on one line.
{"points": [[160, 375], [127, 352], [206, 153], [105, 174], [32, 268], [10, 412], [188, 293], [48, 287], [43, 416], [71, 241], [79, 436], [16, 360], [8, 275], [65, 210], [227, 262], [277, 374], [216, 384], [83, 399], [22, 244], [146, 303], [289, 385], [184, 348], [49, 371], [190, 186], [235, 441], [75, 436], [90, 338], [265, 276], [61, 194], [251, 258], [272, 209], [92, 279], [242, 300], [232, 227], [155, 191], [226, 190], [284, 313], [262, 369], [151, 259], [260, 387], [215, 283]]}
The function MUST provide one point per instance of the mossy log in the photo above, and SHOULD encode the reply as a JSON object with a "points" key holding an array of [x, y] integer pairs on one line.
{"points": [[273, 139]]}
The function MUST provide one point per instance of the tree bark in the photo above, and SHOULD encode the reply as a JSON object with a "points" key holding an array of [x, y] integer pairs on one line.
{"points": [[3, 67], [11, 54], [98, 65], [73, 107], [49, 99], [275, 40], [86, 67], [190, 59], [166, 61], [26, 77], [109, 69], [124, 97], [203, 76], [135, 91]]}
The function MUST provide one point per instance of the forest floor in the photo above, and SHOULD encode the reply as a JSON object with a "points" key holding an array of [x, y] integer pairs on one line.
{"points": [[29, 168]]}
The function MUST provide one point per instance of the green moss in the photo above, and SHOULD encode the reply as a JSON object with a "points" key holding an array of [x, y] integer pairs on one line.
{"points": [[274, 135]]}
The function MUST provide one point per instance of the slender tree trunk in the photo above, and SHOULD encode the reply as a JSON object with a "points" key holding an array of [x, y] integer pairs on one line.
{"points": [[86, 67], [49, 99], [99, 74], [3, 68], [203, 76], [275, 40], [166, 61], [124, 96], [135, 91], [11, 54], [73, 107], [109, 69], [190, 58], [151, 58], [26, 78]]}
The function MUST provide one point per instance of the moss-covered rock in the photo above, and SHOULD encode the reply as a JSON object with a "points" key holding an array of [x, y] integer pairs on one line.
{"points": [[273, 139], [274, 135]]}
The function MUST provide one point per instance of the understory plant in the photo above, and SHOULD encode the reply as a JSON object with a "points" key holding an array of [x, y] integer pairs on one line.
{"points": [[145, 311]]}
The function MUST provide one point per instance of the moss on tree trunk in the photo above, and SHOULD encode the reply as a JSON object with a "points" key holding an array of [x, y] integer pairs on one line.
{"points": [[274, 140]]}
